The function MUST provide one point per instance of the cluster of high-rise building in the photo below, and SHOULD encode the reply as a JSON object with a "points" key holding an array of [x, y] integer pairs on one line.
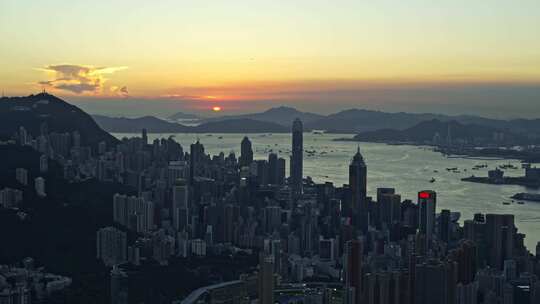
{"points": [[381, 250], [10, 198], [26, 284], [111, 245], [376, 250]]}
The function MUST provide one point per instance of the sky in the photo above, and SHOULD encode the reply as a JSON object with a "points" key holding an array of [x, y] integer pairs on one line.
{"points": [[152, 57]]}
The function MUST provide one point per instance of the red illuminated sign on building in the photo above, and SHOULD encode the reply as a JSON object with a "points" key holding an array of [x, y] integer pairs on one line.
{"points": [[424, 194]]}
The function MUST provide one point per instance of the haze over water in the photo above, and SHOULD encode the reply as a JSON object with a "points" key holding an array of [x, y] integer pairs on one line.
{"points": [[408, 169]]}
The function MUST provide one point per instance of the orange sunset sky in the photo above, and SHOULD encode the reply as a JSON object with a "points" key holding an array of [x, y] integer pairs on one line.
{"points": [[444, 56]]}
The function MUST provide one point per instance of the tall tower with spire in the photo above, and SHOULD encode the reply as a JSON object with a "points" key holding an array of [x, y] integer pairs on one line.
{"points": [[246, 152], [358, 184], [196, 159], [297, 157]]}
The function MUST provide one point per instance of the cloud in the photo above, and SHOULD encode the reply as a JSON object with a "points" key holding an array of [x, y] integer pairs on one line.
{"points": [[80, 79], [181, 96], [119, 91]]}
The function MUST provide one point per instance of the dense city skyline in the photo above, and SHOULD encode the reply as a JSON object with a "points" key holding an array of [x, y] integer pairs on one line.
{"points": [[143, 211], [269, 152]]}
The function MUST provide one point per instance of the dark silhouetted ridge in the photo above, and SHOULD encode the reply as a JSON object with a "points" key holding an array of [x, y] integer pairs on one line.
{"points": [[60, 116]]}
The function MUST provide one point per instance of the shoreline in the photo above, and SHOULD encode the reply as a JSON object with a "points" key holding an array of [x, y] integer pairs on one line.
{"points": [[520, 181], [495, 153]]}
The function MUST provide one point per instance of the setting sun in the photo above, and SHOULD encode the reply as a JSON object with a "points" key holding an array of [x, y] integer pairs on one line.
{"points": [[216, 109]]}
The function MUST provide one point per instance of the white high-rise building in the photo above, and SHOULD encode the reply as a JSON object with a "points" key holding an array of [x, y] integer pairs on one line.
{"points": [[21, 175], [39, 185], [111, 245], [10, 197], [43, 163], [23, 136]]}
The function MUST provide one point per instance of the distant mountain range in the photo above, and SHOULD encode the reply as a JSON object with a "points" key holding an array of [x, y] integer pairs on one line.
{"points": [[348, 121], [135, 125], [426, 130], [156, 125], [183, 116], [33, 110], [356, 121], [240, 125], [60, 116], [359, 120], [281, 115]]}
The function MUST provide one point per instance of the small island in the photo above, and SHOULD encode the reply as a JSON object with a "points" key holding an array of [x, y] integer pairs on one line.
{"points": [[533, 197]]}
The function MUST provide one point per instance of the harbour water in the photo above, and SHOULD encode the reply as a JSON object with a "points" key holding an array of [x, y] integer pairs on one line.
{"points": [[408, 169]]}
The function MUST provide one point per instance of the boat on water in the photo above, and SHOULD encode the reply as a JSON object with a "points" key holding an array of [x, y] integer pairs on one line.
{"points": [[508, 166], [432, 180], [506, 203], [476, 167], [533, 197]]}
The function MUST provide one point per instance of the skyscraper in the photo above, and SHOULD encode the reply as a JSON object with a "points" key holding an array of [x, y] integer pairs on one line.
{"points": [[196, 158], [389, 209], [21, 175], [134, 213], [180, 205], [266, 279], [358, 184], [297, 157], [465, 257], [43, 163], [144, 136], [228, 223], [273, 169], [500, 236], [39, 185], [246, 152], [427, 203], [280, 171], [353, 272], [23, 136], [444, 226], [119, 286], [435, 282], [111, 246]]}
